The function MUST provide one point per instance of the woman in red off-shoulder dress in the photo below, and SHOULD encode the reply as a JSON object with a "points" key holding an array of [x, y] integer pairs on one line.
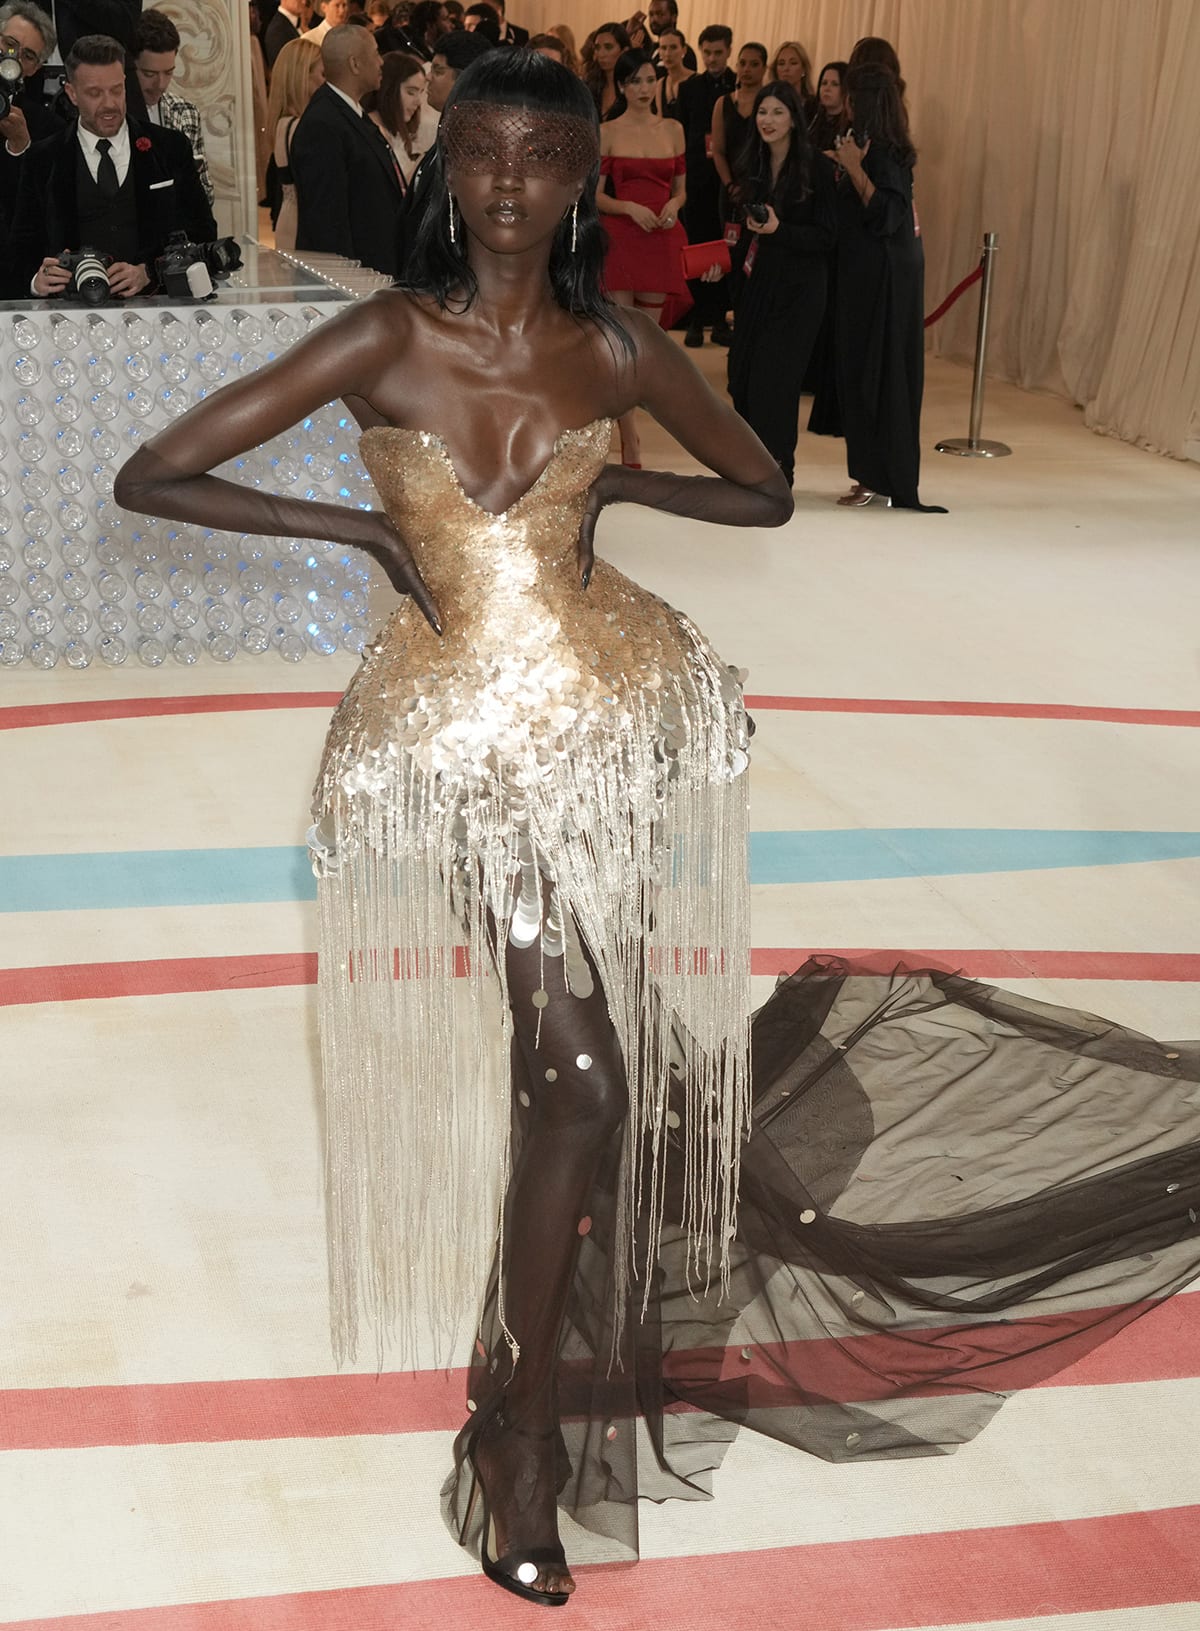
{"points": [[640, 196]]}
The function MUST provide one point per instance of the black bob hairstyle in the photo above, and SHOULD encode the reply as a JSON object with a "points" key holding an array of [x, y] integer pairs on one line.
{"points": [[438, 268]]}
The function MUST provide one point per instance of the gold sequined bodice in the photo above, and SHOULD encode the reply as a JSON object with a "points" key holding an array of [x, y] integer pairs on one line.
{"points": [[530, 664]]}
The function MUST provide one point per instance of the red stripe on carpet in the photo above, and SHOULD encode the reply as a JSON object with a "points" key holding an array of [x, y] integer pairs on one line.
{"points": [[169, 976], [977, 710], [84, 713], [77, 713], [1083, 1565], [1164, 1345]]}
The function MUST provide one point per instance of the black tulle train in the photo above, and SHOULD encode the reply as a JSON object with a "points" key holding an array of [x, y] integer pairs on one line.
{"points": [[950, 1193]]}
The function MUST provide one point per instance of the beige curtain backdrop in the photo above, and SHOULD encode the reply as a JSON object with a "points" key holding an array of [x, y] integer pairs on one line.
{"points": [[1071, 128]]}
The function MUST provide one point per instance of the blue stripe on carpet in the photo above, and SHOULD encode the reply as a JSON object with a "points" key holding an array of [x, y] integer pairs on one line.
{"points": [[211, 877]]}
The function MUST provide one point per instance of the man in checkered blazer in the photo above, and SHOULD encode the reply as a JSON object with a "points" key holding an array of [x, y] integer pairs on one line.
{"points": [[155, 42]]}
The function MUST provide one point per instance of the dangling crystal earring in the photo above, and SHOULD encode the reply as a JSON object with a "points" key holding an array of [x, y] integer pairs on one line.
{"points": [[574, 225], [450, 206]]}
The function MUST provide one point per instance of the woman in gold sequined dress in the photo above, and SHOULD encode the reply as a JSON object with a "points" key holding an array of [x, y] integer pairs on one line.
{"points": [[536, 756], [530, 837]]}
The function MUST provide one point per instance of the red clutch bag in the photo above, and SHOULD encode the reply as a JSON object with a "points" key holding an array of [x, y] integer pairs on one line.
{"points": [[697, 258]]}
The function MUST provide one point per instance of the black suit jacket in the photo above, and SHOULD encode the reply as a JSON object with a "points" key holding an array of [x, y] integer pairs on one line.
{"points": [[279, 31], [514, 34], [167, 192], [349, 195]]}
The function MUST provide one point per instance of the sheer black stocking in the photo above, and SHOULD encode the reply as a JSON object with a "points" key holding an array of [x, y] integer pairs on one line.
{"points": [[569, 1100]]}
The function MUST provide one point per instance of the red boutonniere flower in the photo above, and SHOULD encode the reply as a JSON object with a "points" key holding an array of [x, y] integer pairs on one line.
{"points": [[143, 144]]}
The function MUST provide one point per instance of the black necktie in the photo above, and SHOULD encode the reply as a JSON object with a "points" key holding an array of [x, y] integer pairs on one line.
{"points": [[106, 170]]}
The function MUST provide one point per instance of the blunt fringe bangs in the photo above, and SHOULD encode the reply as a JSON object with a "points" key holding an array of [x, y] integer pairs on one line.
{"points": [[438, 268]]}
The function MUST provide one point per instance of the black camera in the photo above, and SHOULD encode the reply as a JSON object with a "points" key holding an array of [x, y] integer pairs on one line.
{"points": [[10, 80], [185, 270], [755, 193], [757, 213], [89, 275]]}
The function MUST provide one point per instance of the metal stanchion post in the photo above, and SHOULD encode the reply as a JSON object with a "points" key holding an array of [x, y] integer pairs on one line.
{"points": [[973, 446]]}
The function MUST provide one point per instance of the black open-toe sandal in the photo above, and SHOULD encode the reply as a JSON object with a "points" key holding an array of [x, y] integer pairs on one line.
{"points": [[515, 1571]]}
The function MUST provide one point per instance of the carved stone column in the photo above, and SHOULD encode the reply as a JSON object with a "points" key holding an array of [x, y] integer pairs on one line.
{"points": [[213, 71]]}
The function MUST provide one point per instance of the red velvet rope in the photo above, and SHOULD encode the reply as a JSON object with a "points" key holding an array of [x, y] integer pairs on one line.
{"points": [[958, 290]]}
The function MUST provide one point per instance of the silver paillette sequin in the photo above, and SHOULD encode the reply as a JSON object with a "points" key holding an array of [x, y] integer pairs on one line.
{"points": [[563, 764]]}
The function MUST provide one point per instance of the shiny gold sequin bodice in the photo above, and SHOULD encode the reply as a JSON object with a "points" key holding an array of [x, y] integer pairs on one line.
{"points": [[531, 667], [561, 768]]}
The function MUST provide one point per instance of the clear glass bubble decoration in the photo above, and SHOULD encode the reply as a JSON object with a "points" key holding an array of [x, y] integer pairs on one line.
{"points": [[102, 479], [150, 618], [7, 556], [67, 407], [105, 406], [139, 402], [64, 372], [287, 608], [75, 551], [72, 517], [77, 653], [185, 614], [10, 591], [289, 646], [101, 335], [65, 333], [34, 483], [111, 585], [26, 370], [43, 654], [39, 587], [217, 579], [218, 616], [75, 585], [184, 649], [150, 651], [77, 620], [100, 371], [172, 367], [321, 639], [104, 444], [37, 554], [28, 410], [255, 610], [174, 399], [35, 521], [39, 620], [222, 648], [26, 334], [31, 448], [109, 550], [138, 332], [68, 443], [110, 618], [112, 649], [353, 638], [254, 639], [148, 585], [12, 652], [10, 628], [6, 521], [183, 581]]}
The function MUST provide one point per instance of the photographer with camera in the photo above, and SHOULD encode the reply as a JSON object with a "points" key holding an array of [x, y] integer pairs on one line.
{"points": [[27, 38], [781, 261], [117, 189]]}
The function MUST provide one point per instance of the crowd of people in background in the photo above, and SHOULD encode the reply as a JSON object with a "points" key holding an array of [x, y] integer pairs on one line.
{"points": [[756, 204]]}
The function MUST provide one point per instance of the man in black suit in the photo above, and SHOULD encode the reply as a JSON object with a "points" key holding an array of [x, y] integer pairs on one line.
{"points": [[102, 184], [697, 98], [288, 23], [349, 191]]}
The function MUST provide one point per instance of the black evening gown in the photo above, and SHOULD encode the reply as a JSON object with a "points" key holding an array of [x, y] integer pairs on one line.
{"points": [[948, 1193], [780, 311], [880, 333]]}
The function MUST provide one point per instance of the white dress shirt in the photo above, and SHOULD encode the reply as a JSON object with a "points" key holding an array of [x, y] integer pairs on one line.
{"points": [[346, 98], [119, 152]]}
